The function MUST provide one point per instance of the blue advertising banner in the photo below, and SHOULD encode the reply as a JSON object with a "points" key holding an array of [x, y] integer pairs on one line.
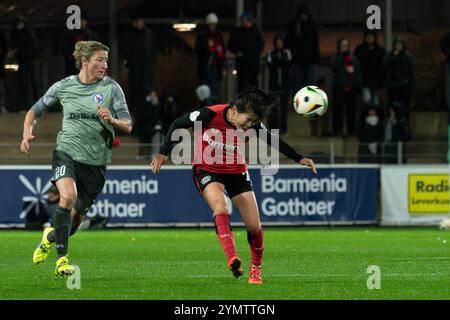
{"points": [[134, 196]]}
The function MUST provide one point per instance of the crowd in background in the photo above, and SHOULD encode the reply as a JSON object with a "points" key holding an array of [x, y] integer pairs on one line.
{"points": [[291, 63]]}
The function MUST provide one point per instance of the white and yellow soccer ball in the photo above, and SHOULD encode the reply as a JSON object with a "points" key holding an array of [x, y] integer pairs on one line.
{"points": [[311, 102]]}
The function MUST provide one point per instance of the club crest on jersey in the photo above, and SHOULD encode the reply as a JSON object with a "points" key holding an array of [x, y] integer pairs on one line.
{"points": [[98, 97]]}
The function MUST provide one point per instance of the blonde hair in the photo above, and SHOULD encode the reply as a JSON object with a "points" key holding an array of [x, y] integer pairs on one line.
{"points": [[86, 49]]}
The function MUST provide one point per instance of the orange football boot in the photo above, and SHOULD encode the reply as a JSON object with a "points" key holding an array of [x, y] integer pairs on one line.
{"points": [[255, 275]]}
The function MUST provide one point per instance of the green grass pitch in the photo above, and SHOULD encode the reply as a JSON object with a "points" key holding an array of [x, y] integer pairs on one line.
{"points": [[299, 263]]}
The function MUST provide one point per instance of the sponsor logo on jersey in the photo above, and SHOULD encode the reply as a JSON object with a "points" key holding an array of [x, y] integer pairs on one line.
{"points": [[205, 180], [217, 144], [77, 116], [98, 97]]}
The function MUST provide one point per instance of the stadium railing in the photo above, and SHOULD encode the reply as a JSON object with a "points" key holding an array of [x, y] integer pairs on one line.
{"points": [[433, 152]]}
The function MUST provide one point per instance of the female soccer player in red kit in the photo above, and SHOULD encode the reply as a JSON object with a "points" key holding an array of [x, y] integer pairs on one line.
{"points": [[219, 167]]}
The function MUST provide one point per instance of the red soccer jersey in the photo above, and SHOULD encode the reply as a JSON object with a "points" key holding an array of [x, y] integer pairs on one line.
{"points": [[217, 145]]}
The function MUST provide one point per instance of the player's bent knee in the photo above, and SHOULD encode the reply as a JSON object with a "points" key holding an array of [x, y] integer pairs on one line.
{"points": [[220, 209], [218, 204], [67, 200]]}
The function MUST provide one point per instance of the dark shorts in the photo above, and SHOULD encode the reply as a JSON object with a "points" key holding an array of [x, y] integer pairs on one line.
{"points": [[235, 184], [89, 179]]}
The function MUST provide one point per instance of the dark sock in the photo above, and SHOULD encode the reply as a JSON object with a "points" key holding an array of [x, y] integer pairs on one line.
{"points": [[62, 226]]}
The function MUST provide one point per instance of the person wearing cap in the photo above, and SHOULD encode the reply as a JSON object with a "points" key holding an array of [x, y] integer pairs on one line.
{"points": [[210, 51], [204, 98], [247, 44]]}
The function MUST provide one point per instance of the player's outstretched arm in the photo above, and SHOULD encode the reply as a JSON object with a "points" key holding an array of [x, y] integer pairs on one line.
{"points": [[27, 136], [186, 121], [267, 136], [157, 162], [309, 163], [161, 157]]}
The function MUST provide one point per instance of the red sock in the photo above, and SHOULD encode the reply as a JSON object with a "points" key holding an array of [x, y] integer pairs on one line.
{"points": [[224, 234], [256, 242]]}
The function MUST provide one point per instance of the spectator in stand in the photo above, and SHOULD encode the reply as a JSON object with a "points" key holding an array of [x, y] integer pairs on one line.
{"points": [[399, 73], [396, 130], [3, 53], [68, 40], [139, 48], [346, 85], [25, 48], [210, 51], [247, 44], [370, 56], [170, 108], [370, 135], [204, 96], [446, 51], [148, 122], [279, 61], [303, 41]]}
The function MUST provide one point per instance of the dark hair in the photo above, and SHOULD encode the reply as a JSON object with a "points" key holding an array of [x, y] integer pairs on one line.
{"points": [[368, 107], [303, 9], [368, 32], [19, 18], [278, 37], [256, 101], [398, 39], [398, 109]]}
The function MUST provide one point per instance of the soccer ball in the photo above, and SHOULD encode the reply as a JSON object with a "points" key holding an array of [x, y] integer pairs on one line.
{"points": [[444, 224], [311, 102]]}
